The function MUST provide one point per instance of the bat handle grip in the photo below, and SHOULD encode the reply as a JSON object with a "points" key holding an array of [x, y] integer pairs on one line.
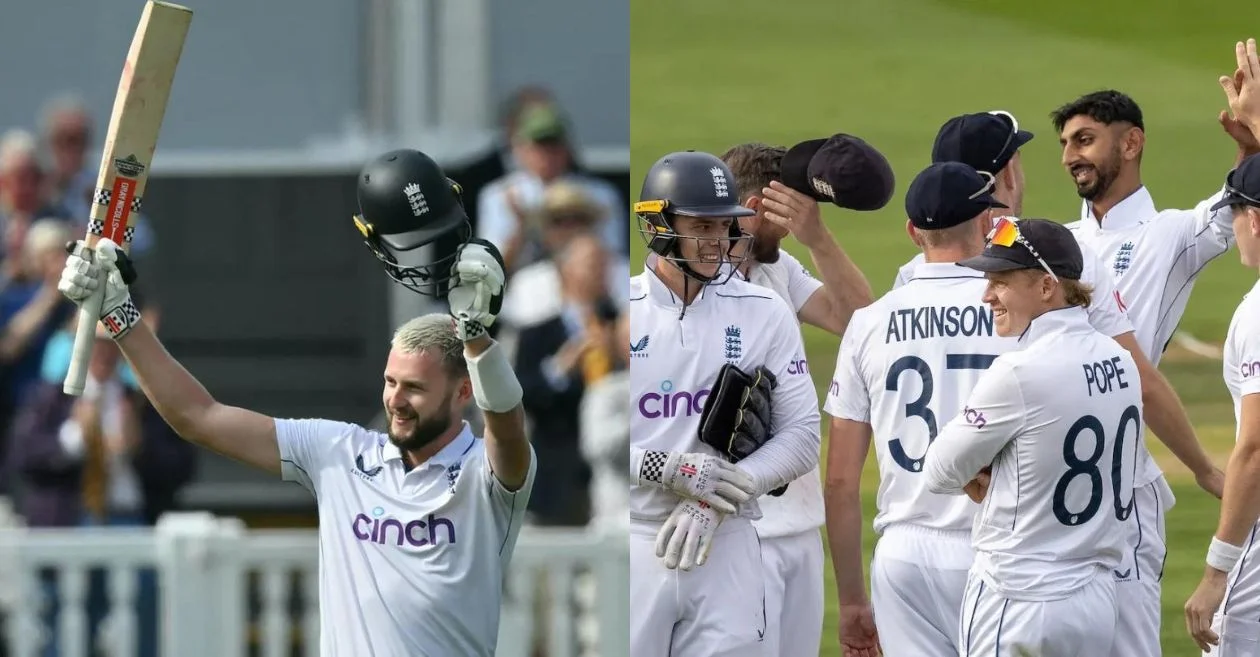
{"points": [[84, 339]]}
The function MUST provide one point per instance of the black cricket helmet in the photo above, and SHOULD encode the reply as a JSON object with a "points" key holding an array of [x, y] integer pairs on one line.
{"points": [[691, 184], [406, 202]]}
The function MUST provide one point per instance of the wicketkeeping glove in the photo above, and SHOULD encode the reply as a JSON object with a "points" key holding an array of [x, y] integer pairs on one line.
{"points": [[86, 270], [737, 413], [476, 294], [708, 479], [686, 538]]}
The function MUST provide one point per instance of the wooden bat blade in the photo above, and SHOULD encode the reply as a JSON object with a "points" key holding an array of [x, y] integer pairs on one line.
{"points": [[134, 124]]}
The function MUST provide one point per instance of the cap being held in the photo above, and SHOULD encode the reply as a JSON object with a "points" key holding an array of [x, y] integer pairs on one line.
{"points": [[947, 194], [1242, 186], [1030, 244], [987, 140], [841, 169]]}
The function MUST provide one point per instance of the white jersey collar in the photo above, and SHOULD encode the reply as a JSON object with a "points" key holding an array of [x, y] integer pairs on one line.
{"points": [[447, 456], [1059, 320], [659, 292], [1130, 211]]}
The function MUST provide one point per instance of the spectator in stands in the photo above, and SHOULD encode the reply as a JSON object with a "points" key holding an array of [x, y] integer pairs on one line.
{"points": [[605, 427], [67, 132], [22, 192], [105, 458], [31, 311], [567, 211], [556, 360], [542, 146]]}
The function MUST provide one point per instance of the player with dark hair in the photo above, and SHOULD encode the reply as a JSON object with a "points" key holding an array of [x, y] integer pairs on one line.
{"points": [[724, 412], [1156, 257], [418, 524]]}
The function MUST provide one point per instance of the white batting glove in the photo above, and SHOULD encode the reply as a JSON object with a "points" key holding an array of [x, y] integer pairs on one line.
{"points": [[476, 293], [686, 538], [84, 273], [709, 479]]}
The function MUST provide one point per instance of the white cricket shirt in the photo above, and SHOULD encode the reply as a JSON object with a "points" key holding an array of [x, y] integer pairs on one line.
{"points": [[676, 353], [1155, 257], [1242, 353], [410, 563], [1060, 421], [800, 508], [906, 364]]}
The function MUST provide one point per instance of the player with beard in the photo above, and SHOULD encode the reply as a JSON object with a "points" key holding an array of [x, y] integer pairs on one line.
{"points": [[416, 527], [791, 544], [782, 211], [1155, 257]]}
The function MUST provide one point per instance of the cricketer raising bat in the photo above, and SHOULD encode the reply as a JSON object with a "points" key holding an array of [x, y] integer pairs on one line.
{"points": [[134, 125]]}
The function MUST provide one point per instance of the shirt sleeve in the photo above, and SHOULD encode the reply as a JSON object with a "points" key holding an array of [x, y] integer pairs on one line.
{"points": [[801, 284], [305, 446], [1249, 352], [515, 500], [992, 416], [1107, 313], [1203, 233], [848, 398], [794, 446]]}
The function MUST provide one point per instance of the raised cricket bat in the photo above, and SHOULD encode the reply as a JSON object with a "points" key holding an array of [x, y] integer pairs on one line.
{"points": [[132, 137]]}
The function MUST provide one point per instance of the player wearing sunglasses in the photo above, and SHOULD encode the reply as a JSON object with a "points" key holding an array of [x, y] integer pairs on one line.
{"points": [[1056, 421]]}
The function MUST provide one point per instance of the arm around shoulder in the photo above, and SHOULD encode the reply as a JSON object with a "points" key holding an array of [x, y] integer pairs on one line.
{"points": [[498, 394]]}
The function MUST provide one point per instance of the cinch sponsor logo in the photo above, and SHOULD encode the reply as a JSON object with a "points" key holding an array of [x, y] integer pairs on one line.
{"points": [[834, 388], [974, 417], [672, 403], [391, 531], [798, 367], [1250, 369]]}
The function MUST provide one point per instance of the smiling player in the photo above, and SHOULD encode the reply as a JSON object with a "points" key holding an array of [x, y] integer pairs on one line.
{"points": [[417, 526]]}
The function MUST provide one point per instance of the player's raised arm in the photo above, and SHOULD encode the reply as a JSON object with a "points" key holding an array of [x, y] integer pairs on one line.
{"points": [[475, 299], [993, 415], [179, 398]]}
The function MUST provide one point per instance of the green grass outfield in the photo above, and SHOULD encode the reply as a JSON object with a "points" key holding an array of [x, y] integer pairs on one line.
{"points": [[706, 74]]}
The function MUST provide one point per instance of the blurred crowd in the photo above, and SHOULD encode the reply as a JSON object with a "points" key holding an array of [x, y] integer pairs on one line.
{"points": [[564, 236], [106, 457]]}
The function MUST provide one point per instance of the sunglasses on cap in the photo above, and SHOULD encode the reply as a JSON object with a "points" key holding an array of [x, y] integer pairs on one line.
{"points": [[1230, 190], [1006, 233], [1010, 138]]}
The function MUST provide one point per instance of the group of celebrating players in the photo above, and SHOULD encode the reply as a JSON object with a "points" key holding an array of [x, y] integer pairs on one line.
{"points": [[1006, 381]]}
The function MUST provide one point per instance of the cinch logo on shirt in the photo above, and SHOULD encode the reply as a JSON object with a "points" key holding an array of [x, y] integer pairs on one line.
{"points": [[417, 533], [798, 367], [1250, 369], [668, 403]]}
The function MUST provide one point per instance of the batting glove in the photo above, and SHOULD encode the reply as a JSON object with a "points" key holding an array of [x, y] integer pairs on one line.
{"points": [[686, 538], [709, 479], [476, 293], [85, 271]]}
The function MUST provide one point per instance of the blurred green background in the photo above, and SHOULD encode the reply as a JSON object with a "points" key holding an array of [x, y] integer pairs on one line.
{"points": [[706, 75]]}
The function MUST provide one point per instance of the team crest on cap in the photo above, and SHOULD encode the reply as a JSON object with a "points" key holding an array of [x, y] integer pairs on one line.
{"points": [[823, 188]]}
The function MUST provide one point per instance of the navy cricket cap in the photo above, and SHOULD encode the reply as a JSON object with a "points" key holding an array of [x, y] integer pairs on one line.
{"points": [[841, 169], [1018, 243], [948, 193], [986, 141], [1242, 186]]}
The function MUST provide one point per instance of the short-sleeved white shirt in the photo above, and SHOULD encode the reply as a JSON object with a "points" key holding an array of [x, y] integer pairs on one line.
{"points": [[1242, 352], [800, 508], [411, 563]]}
